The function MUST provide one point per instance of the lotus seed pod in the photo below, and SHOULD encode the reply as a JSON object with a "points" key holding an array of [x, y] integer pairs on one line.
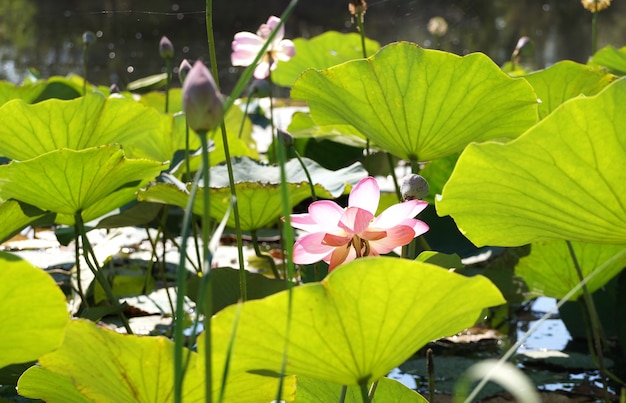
{"points": [[202, 102], [414, 187], [183, 70], [166, 48], [89, 38]]}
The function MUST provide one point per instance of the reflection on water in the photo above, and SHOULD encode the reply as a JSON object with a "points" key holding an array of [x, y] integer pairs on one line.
{"points": [[46, 34]]}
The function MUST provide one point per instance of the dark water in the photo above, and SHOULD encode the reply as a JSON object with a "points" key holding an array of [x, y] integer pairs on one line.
{"points": [[46, 35]]}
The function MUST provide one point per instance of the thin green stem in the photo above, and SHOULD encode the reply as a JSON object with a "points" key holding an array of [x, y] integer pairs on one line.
{"points": [[361, 26], [92, 262], [342, 395], [267, 258], [596, 327], [430, 368], [79, 284], [372, 390], [243, 288], [594, 30], [364, 392], [168, 83], [290, 269], [306, 172], [392, 171]]}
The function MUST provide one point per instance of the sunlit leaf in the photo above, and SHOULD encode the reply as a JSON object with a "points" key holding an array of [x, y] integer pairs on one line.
{"points": [[148, 83], [611, 58], [39, 383], [302, 125], [34, 312], [311, 390], [15, 216], [549, 269], [565, 80], [258, 190], [565, 178], [106, 366], [420, 104], [32, 130], [322, 51], [93, 181], [364, 319]]}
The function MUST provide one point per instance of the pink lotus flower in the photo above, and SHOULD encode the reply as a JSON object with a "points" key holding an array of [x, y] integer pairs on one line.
{"points": [[247, 45], [338, 235]]}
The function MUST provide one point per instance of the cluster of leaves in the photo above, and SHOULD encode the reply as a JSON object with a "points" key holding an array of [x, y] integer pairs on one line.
{"points": [[534, 159]]}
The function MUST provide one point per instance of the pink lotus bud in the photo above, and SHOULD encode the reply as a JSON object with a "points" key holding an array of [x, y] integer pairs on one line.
{"points": [[166, 48], [183, 70], [202, 102]]}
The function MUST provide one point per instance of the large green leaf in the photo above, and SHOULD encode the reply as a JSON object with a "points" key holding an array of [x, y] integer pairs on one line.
{"points": [[311, 390], [549, 269], [39, 383], [565, 178], [420, 104], [93, 181], [34, 311], [31, 130], [106, 366], [258, 190], [565, 80], [322, 51], [363, 320], [16, 215], [611, 58]]}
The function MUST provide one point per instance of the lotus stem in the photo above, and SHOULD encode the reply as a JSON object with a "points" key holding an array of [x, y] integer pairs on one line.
{"points": [[267, 258]]}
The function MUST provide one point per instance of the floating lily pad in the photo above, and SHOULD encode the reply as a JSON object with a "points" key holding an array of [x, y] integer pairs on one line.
{"points": [[34, 312], [565, 178], [364, 319], [611, 58], [258, 190], [92, 181], [387, 391], [565, 80], [322, 51], [420, 104], [549, 269], [32, 130]]}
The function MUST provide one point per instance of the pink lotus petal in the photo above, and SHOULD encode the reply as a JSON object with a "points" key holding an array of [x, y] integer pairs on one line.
{"points": [[394, 215], [310, 249], [336, 240], [306, 223], [355, 220], [399, 235], [340, 255], [327, 212], [262, 70], [245, 47], [373, 234], [365, 195], [286, 50]]}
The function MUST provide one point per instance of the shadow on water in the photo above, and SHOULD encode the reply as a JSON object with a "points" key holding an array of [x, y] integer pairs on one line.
{"points": [[46, 35]]}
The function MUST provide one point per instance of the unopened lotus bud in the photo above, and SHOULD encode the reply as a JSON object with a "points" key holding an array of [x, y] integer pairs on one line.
{"points": [[89, 38], [285, 138], [202, 102], [437, 26], [414, 187], [183, 70], [524, 47], [166, 48]]}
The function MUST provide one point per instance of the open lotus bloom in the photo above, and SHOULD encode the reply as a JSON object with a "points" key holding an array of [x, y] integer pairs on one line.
{"points": [[247, 45], [337, 235]]}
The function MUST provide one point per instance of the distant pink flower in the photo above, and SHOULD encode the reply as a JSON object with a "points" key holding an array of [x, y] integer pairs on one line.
{"points": [[338, 235], [247, 45]]}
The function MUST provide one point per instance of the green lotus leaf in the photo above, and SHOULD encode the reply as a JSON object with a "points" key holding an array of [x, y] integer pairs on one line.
{"points": [[360, 322], [148, 83], [420, 104], [32, 130], [27, 92], [565, 178], [93, 181], [611, 58], [387, 391], [258, 190], [303, 126], [322, 51], [565, 80], [39, 383], [16, 215], [549, 269], [34, 311], [106, 366]]}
